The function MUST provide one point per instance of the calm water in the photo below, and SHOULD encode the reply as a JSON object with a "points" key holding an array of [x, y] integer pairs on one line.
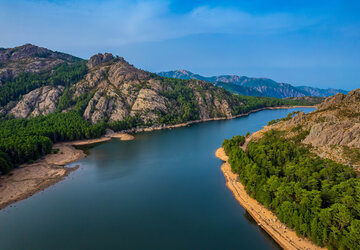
{"points": [[163, 190]]}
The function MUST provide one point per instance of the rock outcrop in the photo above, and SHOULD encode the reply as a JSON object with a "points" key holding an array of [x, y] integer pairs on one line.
{"points": [[344, 133], [99, 59], [348, 102], [209, 106], [41, 101], [147, 103], [332, 131]]}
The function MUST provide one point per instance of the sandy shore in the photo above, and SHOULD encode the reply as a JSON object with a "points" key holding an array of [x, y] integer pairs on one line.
{"points": [[283, 235], [29, 179], [121, 136]]}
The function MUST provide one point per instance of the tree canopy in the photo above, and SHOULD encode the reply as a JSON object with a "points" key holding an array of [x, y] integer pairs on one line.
{"points": [[64, 74], [318, 198]]}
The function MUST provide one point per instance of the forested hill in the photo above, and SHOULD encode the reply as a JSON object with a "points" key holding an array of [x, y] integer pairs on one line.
{"points": [[254, 86], [305, 168], [332, 131], [47, 97]]}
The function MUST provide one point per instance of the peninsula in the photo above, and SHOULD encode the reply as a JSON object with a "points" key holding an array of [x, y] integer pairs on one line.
{"points": [[302, 171]]}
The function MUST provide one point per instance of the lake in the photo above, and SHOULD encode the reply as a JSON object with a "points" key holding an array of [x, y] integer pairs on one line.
{"points": [[163, 190]]}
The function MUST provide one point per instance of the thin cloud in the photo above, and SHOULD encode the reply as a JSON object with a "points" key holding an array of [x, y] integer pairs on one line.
{"points": [[113, 23]]}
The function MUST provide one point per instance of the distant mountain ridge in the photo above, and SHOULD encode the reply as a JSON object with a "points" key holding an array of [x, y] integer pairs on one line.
{"points": [[254, 86]]}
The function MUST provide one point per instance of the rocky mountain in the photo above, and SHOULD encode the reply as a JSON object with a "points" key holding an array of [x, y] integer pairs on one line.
{"points": [[332, 131], [29, 59], [254, 86], [120, 90], [109, 89]]}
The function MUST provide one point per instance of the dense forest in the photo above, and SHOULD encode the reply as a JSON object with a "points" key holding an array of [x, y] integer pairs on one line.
{"points": [[65, 74], [318, 198], [25, 140], [182, 96]]}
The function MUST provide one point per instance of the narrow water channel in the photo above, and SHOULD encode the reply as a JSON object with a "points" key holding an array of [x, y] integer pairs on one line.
{"points": [[163, 190]]}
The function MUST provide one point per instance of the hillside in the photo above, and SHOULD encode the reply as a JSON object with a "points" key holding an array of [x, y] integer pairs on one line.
{"points": [[29, 59], [305, 169], [254, 86], [65, 98], [332, 131]]}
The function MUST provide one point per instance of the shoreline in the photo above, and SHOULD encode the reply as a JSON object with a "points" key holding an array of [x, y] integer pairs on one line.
{"points": [[121, 135], [29, 179], [266, 219], [161, 127]]}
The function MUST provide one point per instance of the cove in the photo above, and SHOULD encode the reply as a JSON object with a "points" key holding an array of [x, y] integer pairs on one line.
{"points": [[163, 190]]}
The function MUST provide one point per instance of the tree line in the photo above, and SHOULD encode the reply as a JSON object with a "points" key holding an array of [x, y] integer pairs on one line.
{"points": [[24, 140], [64, 74], [318, 198]]}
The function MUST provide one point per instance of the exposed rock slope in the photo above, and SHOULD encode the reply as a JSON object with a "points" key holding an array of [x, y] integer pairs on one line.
{"points": [[332, 131], [337, 121], [41, 101], [121, 90]]}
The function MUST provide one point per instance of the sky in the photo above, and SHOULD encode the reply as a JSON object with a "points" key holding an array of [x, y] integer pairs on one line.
{"points": [[314, 43]]}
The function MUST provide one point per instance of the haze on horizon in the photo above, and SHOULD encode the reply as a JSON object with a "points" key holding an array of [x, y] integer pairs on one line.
{"points": [[315, 43]]}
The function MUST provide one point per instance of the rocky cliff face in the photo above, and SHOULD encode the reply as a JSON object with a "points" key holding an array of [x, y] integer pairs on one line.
{"points": [[99, 59], [41, 101], [119, 90], [332, 131], [336, 121]]}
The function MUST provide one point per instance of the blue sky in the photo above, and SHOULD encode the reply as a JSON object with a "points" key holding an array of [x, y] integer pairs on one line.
{"points": [[305, 42]]}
